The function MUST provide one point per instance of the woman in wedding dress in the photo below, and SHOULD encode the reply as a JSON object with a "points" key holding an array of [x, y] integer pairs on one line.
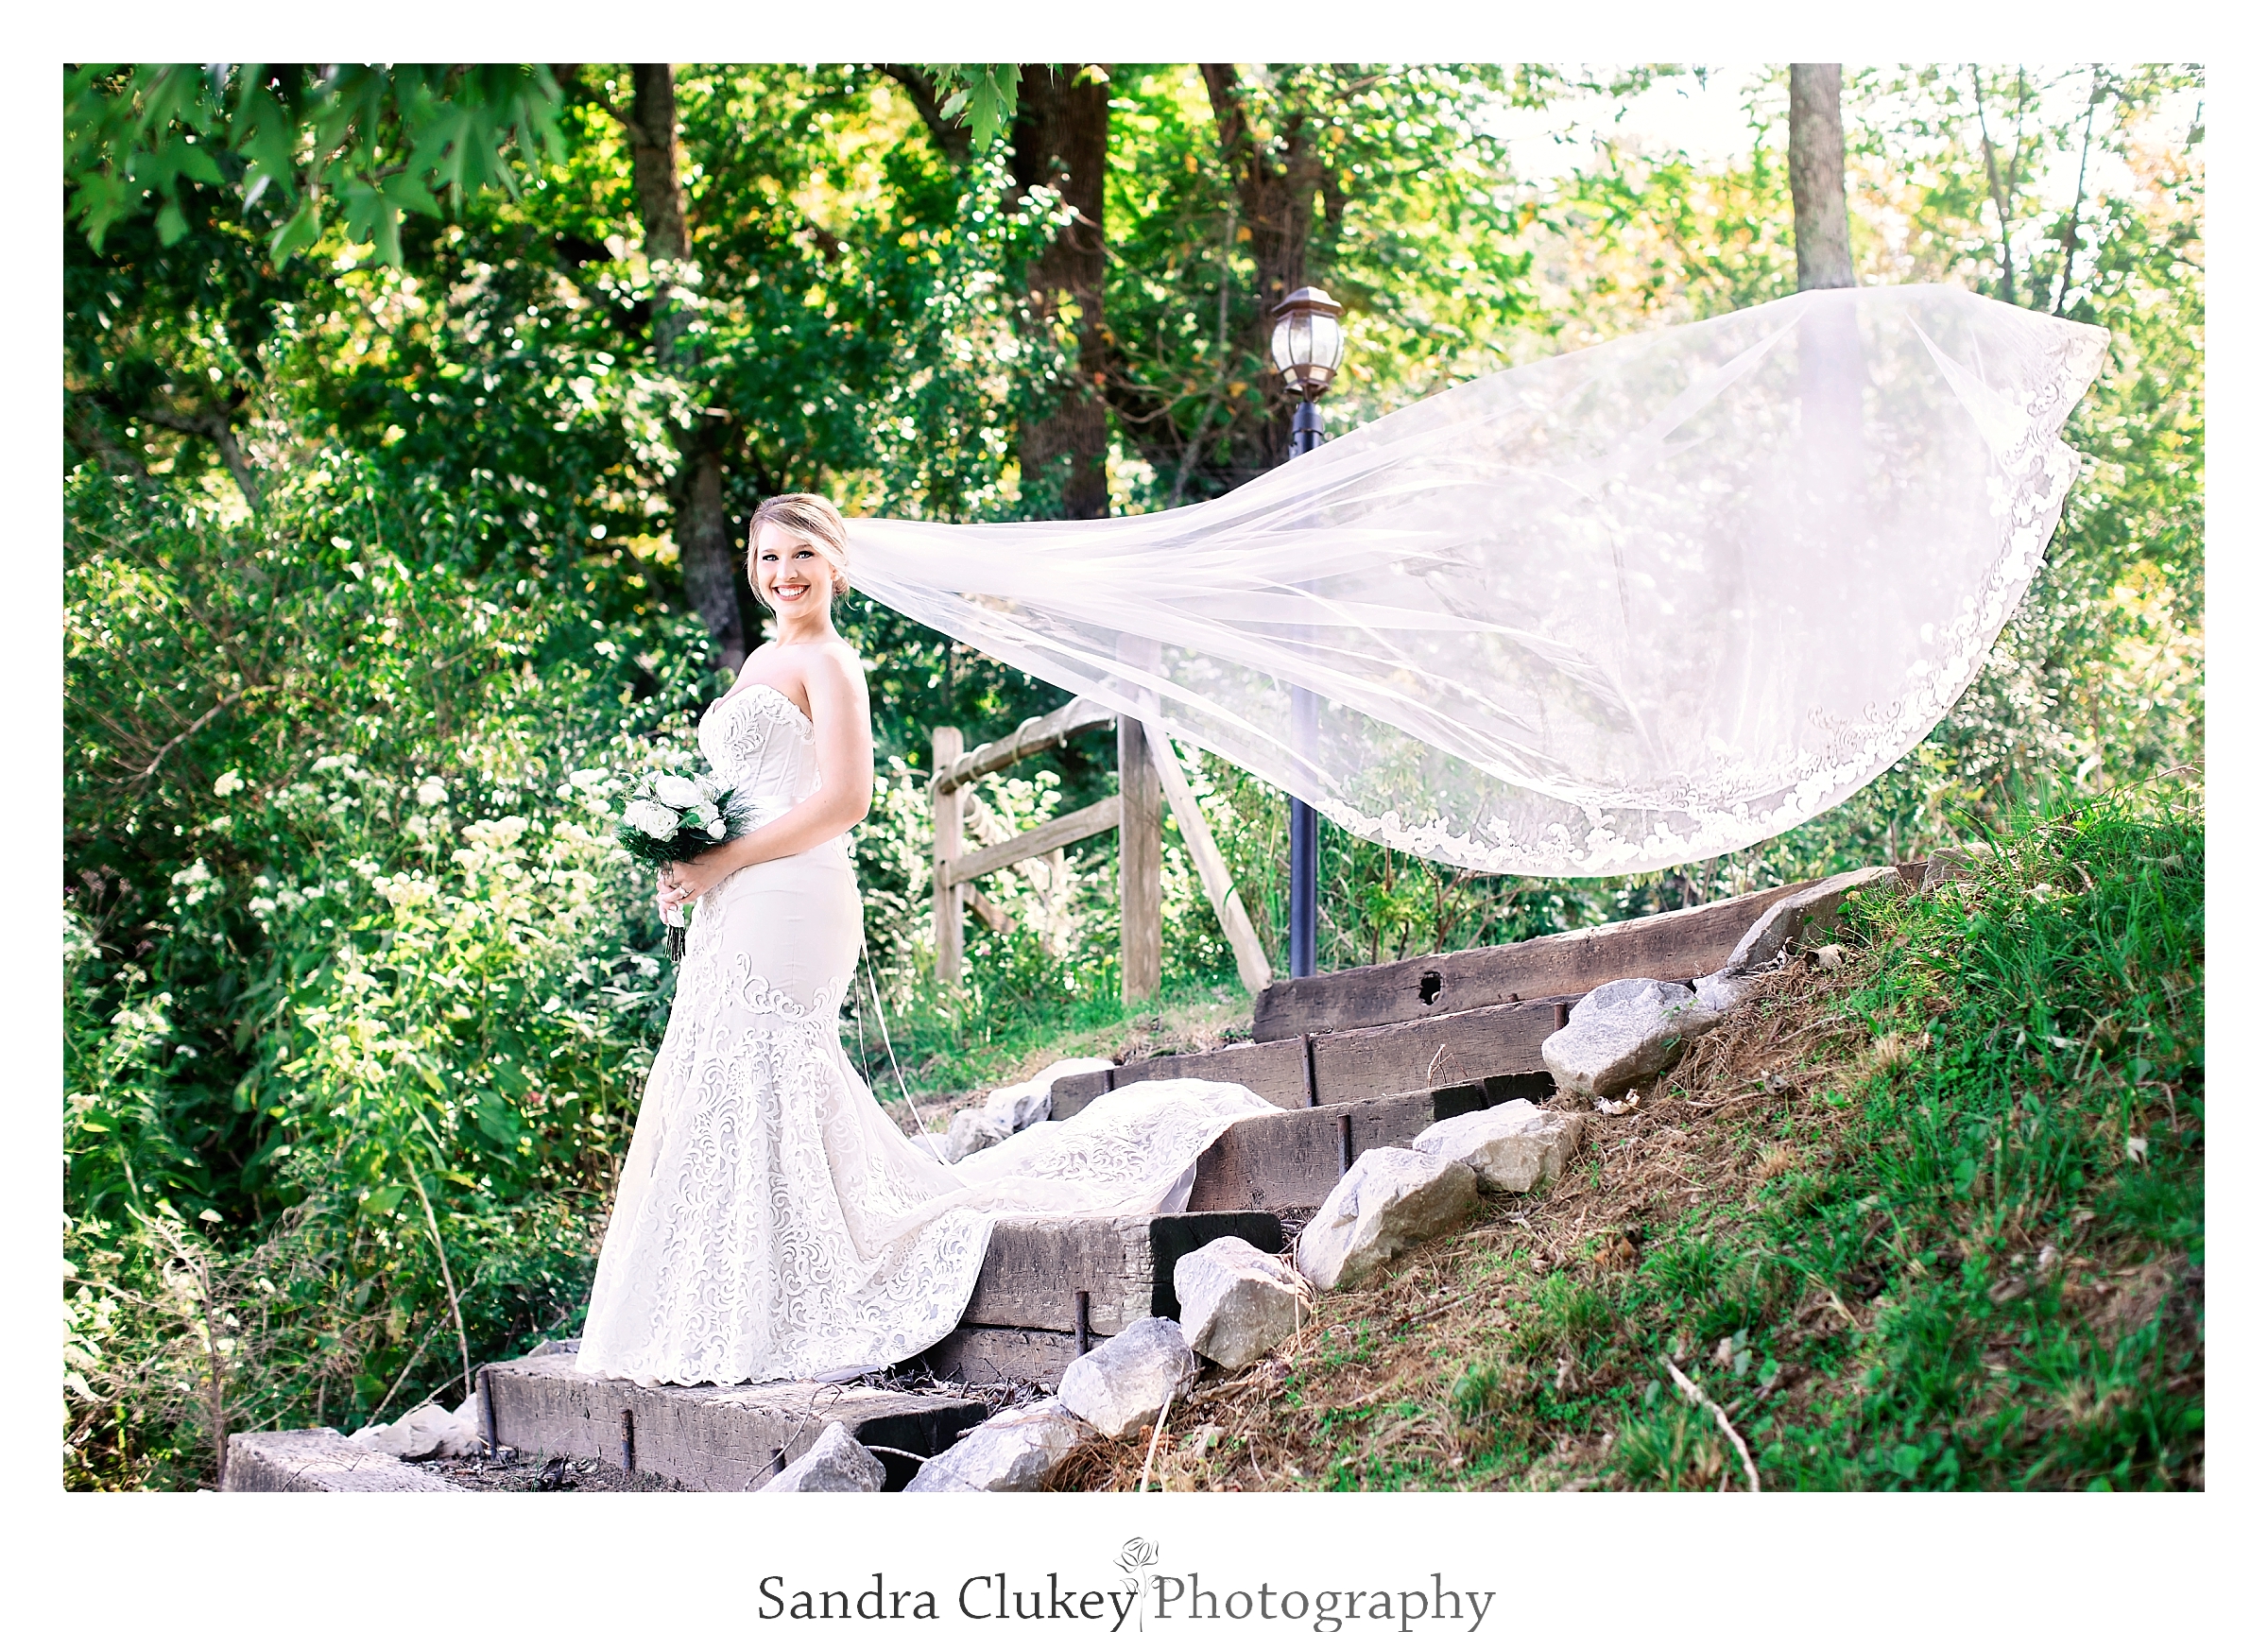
{"points": [[1621, 609], [772, 1222]]}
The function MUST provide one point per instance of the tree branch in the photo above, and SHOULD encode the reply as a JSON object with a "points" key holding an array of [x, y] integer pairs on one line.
{"points": [[953, 140], [215, 427], [82, 431], [1229, 117], [1999, 195]]}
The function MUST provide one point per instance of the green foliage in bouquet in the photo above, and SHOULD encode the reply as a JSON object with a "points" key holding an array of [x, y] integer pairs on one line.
{"points": [[672, 818]]}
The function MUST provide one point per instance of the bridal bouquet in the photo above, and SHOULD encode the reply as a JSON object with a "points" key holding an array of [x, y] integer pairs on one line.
{"points": [[672, 819]]}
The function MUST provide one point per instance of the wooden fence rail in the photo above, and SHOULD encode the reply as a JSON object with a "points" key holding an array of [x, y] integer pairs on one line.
{"points": [[1150, 780]]}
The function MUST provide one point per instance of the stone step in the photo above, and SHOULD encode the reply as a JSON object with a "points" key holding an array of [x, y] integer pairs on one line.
{"points": [[1343, 1068], [712, 1437], [312, 1460]]}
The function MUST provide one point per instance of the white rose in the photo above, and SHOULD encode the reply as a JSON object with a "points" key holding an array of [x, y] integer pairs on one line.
{"points": [[655, 822], [678, 791], [717, 830], [706, 812]]}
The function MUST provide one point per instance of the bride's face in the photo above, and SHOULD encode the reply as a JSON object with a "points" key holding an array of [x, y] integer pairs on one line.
{"points": [[793, 576]]}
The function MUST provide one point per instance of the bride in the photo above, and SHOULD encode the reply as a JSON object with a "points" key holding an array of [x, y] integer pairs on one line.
{"points": [[772, 1222], [1622, 608]]}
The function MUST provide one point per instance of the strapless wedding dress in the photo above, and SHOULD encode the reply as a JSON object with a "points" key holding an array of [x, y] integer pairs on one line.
{"points": [[772, 1222]]}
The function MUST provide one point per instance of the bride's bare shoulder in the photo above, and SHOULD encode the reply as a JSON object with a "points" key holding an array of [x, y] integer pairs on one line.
{"points": [[838, 661]]}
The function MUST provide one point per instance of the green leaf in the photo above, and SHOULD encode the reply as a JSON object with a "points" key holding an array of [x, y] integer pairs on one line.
{"points": [[983, 95], [296, 233], [384, 1199]]}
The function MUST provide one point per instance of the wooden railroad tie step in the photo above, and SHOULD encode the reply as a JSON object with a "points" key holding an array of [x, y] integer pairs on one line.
{"points": [[1682, 945], [1289, 1162], [1051, 1287], [1342, 1067], [712, 1438]]}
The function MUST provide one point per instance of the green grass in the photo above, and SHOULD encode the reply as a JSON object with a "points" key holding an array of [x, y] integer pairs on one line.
{"points": [[1964, 1251]]}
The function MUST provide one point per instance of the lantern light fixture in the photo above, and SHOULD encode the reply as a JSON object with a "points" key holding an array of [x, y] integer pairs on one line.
{"points": [[1308, 341]]}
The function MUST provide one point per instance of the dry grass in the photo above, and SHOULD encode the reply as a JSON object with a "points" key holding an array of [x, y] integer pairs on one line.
{"points": [[1382, 1371], [1927, 1215]]}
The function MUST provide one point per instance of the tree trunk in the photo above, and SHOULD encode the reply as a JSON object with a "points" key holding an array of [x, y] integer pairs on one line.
{"points": [[1276, 197], [1061, 139], [1815, 176], [706, 554]]}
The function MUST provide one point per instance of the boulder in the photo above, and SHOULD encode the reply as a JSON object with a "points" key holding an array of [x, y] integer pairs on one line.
{"points": [[979, 1127], [1007, 1111], [1954, 864], [1508, 1147], [837, 1462], [1121, 1385], [1237, 1302], [1719, 992], [1012, 1450], [427, 1431], [1626, 1032], [1387, 1202], [1784, 922]]}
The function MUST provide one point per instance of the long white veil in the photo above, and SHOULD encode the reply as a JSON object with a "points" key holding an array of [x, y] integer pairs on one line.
{"points": [[1619, 611]]}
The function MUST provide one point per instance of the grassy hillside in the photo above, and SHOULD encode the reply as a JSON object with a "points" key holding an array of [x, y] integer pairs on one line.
{"points": [[1930, 1218]]}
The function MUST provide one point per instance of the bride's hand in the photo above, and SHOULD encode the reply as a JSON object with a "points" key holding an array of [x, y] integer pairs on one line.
{"points": [[684, 881]]}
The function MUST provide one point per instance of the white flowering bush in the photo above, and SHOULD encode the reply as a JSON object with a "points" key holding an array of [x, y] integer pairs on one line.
{"points": [[369, 939]]}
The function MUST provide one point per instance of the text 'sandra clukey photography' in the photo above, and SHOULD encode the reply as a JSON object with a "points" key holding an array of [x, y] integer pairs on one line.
{"points": [[1142, 1597]]}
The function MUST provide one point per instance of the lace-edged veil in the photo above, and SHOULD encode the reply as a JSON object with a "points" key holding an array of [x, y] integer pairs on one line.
{"points": [[1621, 610]]}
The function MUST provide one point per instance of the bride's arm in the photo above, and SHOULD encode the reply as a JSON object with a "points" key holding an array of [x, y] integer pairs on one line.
{"points": [[837, 690]]}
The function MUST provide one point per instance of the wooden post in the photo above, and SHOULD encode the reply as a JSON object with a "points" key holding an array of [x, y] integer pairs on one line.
{"points": [[1141, 863], [1213, 872], [945, 898]]}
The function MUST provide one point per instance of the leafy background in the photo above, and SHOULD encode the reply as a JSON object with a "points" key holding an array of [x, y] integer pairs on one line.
{"points": [[379, 455]]}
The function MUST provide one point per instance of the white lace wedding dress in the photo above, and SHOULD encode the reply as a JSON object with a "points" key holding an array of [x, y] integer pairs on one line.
{"points": [[772, 1222]]}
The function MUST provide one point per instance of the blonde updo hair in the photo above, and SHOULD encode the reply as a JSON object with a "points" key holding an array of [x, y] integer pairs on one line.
{"points": [[817, 522]]}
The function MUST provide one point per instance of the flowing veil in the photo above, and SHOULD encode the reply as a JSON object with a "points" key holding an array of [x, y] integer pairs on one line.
{"points": [[1624, 608]]}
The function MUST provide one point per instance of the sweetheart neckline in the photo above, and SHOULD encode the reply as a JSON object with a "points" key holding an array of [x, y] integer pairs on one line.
{"points": [[809, 724]]}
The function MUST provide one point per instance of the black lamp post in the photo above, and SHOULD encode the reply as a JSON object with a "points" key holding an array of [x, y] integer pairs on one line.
{"points": [[1306, 346]]}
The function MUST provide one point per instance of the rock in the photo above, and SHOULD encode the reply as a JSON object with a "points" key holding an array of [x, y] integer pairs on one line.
{"points": [[837, 1462], [1508, 1147], [1387, 1202], [1785, 919], [426, 1431], [934, 1144], [1237, 1302], [1719, 992], [1121, 1385], [1013, 1450], [1007, 1111], [1953, 863], [979, 1127], [1626, 1031]]}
